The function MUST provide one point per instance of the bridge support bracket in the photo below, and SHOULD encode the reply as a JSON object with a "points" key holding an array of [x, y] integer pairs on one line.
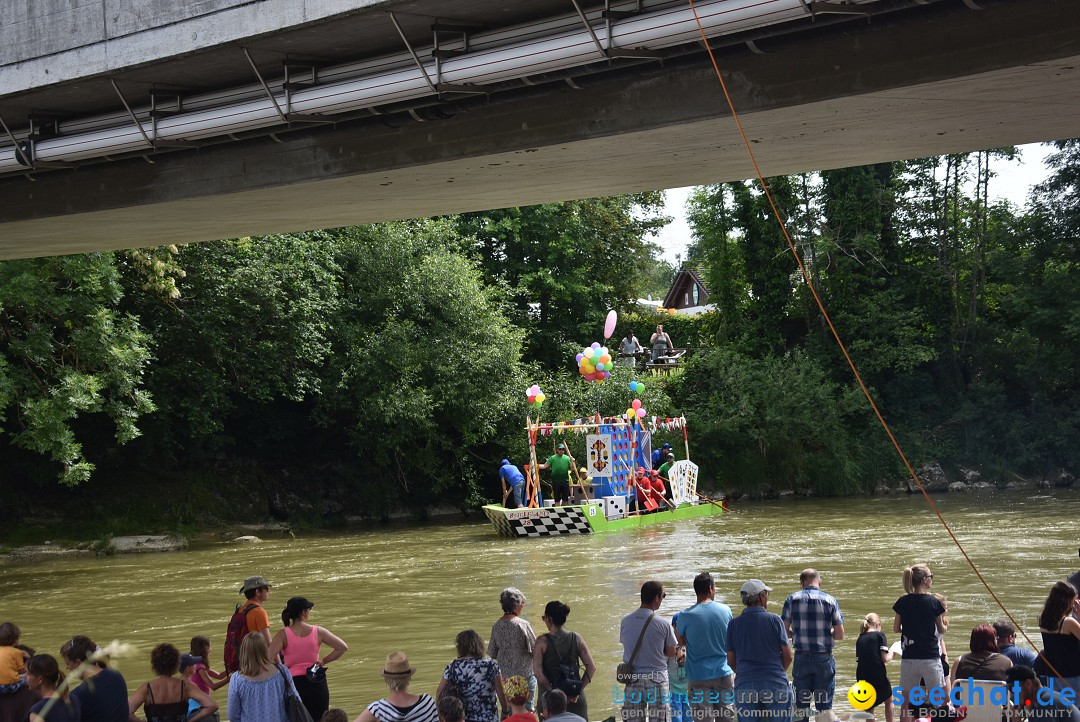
{"points": [[834, 7], [609, 52]]}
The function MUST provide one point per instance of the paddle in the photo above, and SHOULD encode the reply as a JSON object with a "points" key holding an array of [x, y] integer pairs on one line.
{"points": [[575, 479], [712, 501]]}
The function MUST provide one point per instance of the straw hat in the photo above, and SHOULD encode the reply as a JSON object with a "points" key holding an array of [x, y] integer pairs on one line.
{"points": [[397, 665]]}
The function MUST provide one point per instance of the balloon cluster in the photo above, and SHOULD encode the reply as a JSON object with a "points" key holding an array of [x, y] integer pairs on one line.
{"points": [[594, 363], [637, 387], [536, 396], [635, 411]]}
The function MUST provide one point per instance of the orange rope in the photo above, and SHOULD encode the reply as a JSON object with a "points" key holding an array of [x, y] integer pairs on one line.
{"points": [[836, 335]]}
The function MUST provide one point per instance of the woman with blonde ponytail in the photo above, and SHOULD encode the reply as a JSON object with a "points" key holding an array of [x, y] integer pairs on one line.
{"points": [[871, 654], [919, 620]]}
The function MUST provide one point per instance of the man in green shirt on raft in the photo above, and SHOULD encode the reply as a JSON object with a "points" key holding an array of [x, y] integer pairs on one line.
{"points": [[560, 475], [665, 473]]}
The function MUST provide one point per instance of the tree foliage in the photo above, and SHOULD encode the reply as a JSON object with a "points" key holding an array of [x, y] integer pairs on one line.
{"points": [[563, 265], [68, 352]]}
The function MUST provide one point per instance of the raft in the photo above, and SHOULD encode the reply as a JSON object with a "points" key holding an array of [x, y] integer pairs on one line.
{"points": [[588, 518], [614, 448]]}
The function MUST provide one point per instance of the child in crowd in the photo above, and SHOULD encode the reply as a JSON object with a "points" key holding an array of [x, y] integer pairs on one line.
{"points": [[517, 694], [188, 665], [680, 703], [451, 709], [202, 676], [871, 655], [334, 715], [12, 660]]}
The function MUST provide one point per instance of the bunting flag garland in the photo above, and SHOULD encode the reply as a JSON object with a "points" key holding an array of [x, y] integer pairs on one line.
{"points": [[582, 426]]}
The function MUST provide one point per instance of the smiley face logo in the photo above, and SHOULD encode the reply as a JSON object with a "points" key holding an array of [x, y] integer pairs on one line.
{"points": [[862, 695]]}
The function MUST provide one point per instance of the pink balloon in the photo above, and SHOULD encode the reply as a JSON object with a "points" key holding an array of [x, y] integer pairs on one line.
{"points": [[609, 324], [641, 413], [636, 404]]}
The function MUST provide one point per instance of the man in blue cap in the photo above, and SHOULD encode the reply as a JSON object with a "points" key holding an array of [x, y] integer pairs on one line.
{"points": [[660, 455], [511, 475]]}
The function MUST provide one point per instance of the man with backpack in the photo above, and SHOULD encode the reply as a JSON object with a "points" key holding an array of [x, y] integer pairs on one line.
{"points": [[249, 617]]}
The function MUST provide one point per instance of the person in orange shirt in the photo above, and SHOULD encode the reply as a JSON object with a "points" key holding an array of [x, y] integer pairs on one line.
{"points": [[644, 483], [257, 591], [658, 490]]}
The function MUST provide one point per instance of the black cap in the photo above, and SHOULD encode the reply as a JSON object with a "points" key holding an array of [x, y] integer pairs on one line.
{"points": [[295, 605]]}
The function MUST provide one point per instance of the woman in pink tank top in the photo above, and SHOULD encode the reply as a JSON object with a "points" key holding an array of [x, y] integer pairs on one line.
{"points": [[299, 644]]}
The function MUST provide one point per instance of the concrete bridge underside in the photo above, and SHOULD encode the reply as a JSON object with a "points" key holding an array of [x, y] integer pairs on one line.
{"points": [[910, 85]]}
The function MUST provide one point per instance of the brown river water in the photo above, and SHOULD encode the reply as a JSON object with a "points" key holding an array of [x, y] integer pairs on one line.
{"points": [[414, 587]]}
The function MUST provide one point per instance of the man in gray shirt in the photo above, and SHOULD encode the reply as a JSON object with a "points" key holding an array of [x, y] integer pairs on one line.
{"points": [[647, 697]]}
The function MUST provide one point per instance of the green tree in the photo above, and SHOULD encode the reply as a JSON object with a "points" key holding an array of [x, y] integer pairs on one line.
{"points": [[565, 264], [425, 366], [68, 354], [250, 325], [778, 422], [716, 247]]}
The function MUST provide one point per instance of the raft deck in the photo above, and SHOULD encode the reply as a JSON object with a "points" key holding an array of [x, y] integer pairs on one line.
{"points": [[583, 518]]}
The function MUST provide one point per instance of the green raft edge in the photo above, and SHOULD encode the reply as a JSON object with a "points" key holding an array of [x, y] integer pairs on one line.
{"points": [[600, 523]]}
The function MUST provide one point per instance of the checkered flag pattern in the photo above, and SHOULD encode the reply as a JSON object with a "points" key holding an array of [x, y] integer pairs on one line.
{"points": [[557, 521], [683, 477], [499, 521]]}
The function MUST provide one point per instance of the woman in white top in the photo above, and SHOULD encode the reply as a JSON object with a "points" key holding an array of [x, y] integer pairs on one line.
{"points": [[629, 348]]}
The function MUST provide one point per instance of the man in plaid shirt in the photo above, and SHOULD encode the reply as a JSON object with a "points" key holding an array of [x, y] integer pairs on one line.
{"points": [[813, 621]]}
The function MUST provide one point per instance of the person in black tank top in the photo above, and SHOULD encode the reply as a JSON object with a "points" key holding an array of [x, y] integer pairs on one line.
{"points": [[1061, 636], [562, 647], [165, 698]]}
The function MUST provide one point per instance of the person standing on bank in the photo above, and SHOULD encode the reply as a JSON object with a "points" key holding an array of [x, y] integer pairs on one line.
{"points": [[647, 641], [560, 474], [43, 676], [703, 628], [661, 343], [557, 647], [103, 691], [257, 591], [298, 643], [759, 655], [629, 348], [475, 679], [1061, 636], [512, 640], [166, 697], [813, 621], [919, 620]]}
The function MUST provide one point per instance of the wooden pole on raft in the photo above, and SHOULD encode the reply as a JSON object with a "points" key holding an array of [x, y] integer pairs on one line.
{"points": [[686, 441], [534, 473], [713, 501], [575, 480]]}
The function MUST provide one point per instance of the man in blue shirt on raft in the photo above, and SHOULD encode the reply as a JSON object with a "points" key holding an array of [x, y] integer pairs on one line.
{"points": [[512, 475], [660, 455]]}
